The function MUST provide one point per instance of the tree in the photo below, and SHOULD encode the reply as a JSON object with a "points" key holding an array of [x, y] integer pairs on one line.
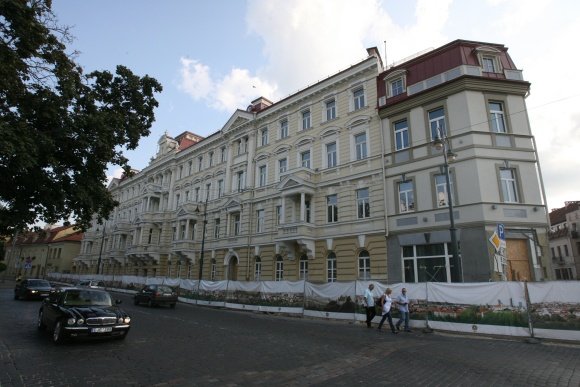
{"points": [[59, 128]]}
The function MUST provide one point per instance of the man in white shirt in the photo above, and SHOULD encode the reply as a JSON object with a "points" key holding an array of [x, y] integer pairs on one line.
{"points": [[403, 303], [369, 301]]}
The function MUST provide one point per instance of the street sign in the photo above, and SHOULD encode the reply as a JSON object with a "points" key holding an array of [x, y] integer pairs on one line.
{"points": [[501, 231]]}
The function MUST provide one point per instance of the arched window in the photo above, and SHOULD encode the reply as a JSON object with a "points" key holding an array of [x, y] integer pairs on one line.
{"points": [[279, 274], [303, 267], [364, 265], [331, 267], [257, 269]]}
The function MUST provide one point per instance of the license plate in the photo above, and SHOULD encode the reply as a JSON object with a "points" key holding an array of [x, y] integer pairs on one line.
{"points": [[43, 294], [101, 329]]}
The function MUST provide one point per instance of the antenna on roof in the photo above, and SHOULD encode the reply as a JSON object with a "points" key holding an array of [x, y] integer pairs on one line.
{"points": [[386, 62]]}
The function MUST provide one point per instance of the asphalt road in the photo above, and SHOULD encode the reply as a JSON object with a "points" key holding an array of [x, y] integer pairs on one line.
{"points": [[199, 346]]}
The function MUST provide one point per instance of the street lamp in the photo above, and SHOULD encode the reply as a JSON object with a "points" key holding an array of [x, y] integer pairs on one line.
{"points": [[442, 142], [202, 235], [101, 250]]}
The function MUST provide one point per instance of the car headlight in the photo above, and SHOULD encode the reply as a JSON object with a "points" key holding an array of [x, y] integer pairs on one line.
{"points": [[34, 291], [71, 321], [80, 321], [127, 320]]}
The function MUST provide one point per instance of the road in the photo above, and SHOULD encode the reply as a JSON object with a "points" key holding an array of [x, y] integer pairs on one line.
{"points": [[199, 346]]}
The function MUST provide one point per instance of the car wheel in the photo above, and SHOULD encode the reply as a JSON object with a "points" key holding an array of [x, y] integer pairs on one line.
{"points": [[58, 335], [150, 303], [172, 306], [40, 324], [123, 336]]}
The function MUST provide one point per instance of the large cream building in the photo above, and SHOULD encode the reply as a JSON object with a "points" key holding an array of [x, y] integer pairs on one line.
{"points": [[288, 191], [341, 181]]}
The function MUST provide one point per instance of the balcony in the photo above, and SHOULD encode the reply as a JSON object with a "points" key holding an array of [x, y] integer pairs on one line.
{"points": [[144, 252], [301, 233]]}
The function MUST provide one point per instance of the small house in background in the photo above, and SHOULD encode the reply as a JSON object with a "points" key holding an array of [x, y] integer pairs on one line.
{"points": [[564, 241], [33, 254]]}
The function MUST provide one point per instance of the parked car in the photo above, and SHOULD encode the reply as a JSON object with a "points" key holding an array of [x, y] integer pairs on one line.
{"points": [[91, 284], [82, 313], [156, 295], [32, 288]]}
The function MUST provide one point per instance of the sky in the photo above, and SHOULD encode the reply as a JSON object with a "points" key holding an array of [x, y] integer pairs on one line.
{"points": [[213, 57]]}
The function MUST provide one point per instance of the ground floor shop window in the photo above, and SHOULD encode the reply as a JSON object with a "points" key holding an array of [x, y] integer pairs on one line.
{"points": [[429, 263]]}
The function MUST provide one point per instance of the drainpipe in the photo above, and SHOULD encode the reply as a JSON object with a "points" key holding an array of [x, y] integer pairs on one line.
{"points": [[384, 168]]}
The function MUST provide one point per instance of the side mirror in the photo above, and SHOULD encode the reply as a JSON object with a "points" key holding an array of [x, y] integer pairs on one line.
{"points": [[117, 302]]}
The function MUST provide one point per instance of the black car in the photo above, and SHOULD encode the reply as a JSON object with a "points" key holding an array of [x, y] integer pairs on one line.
{"points": [[156, 295], [32, 288], [82, 312]]}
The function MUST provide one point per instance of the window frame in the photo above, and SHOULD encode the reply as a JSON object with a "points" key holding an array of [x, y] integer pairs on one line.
{"points": [[306, 119], [331, 267], [402, 133], [408, 193], [283, 128], [330, 109], [364, 265], [332, 208], [358, 98], [331, 155], [363, 203]]}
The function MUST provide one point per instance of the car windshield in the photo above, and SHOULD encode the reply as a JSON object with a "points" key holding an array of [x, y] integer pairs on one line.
{"points": [[164, 289], [86, 298], [38, 283]]}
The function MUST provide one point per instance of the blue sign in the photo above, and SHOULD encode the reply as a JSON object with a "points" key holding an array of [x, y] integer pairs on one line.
{"points": [[501, 232]]}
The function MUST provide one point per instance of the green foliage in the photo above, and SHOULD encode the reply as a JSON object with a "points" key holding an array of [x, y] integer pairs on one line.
{"points": [[59, 127]]}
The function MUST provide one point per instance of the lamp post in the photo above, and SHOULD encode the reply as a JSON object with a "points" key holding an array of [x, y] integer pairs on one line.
{"points": [[202, 235], [101, 251], [442, 142]]}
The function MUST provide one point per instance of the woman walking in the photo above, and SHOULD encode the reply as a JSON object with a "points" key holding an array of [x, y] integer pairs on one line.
{"points": [[387, 301]]}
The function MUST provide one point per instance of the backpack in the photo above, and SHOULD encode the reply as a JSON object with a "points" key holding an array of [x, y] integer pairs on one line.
{"points": [[381, 301]]}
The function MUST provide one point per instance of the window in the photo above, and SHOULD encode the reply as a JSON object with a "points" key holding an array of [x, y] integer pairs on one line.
{"points": [[360, 141], [180, 171], [216, 228], [189, 167], [364, 265], [437, 123], [257, 269], [488, 65], [240, 181], [237, 224], [331, 268], [264, 137], [182, 232], [331, 159], [497, 117], [223, 154], [306, 124], [262, 175], [278, 215], [330, 109], [303, 268], [279, 274], [284, 128], [196, 197], [282, 166], [363, 203], [441, 189], [406, 196], [308, 210], [199, 163], [260, 221], [210, 159], [241, 146], [220, 188], [305, 159], [401, 135], [429, 263], [397, 87], [508, 185], [332, 208], [359, 98], [208, 191], [213, 270]]}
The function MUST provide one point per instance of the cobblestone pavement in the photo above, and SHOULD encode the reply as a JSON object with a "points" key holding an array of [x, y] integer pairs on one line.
{"points": [[196, 346]]}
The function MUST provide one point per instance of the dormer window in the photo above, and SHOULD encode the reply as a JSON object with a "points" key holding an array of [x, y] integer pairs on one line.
{"points": [[396, 83], [489, 59]]}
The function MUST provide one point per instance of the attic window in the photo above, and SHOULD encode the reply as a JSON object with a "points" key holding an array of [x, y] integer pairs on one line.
{"points": [[396, 83], [489, 59]]}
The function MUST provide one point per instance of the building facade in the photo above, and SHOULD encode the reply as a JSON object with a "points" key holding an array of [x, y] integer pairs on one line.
{"points": [[34, 254], [471, 97], [284, 191], [341, 181], [565, 241]]}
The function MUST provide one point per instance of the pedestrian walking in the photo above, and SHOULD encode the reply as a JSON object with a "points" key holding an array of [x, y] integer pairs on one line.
{"points": [[403, 303], [387, 301], [370, 304]]}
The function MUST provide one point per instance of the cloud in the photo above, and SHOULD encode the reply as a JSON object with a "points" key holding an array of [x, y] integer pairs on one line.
{"points": [[233, 91]]}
